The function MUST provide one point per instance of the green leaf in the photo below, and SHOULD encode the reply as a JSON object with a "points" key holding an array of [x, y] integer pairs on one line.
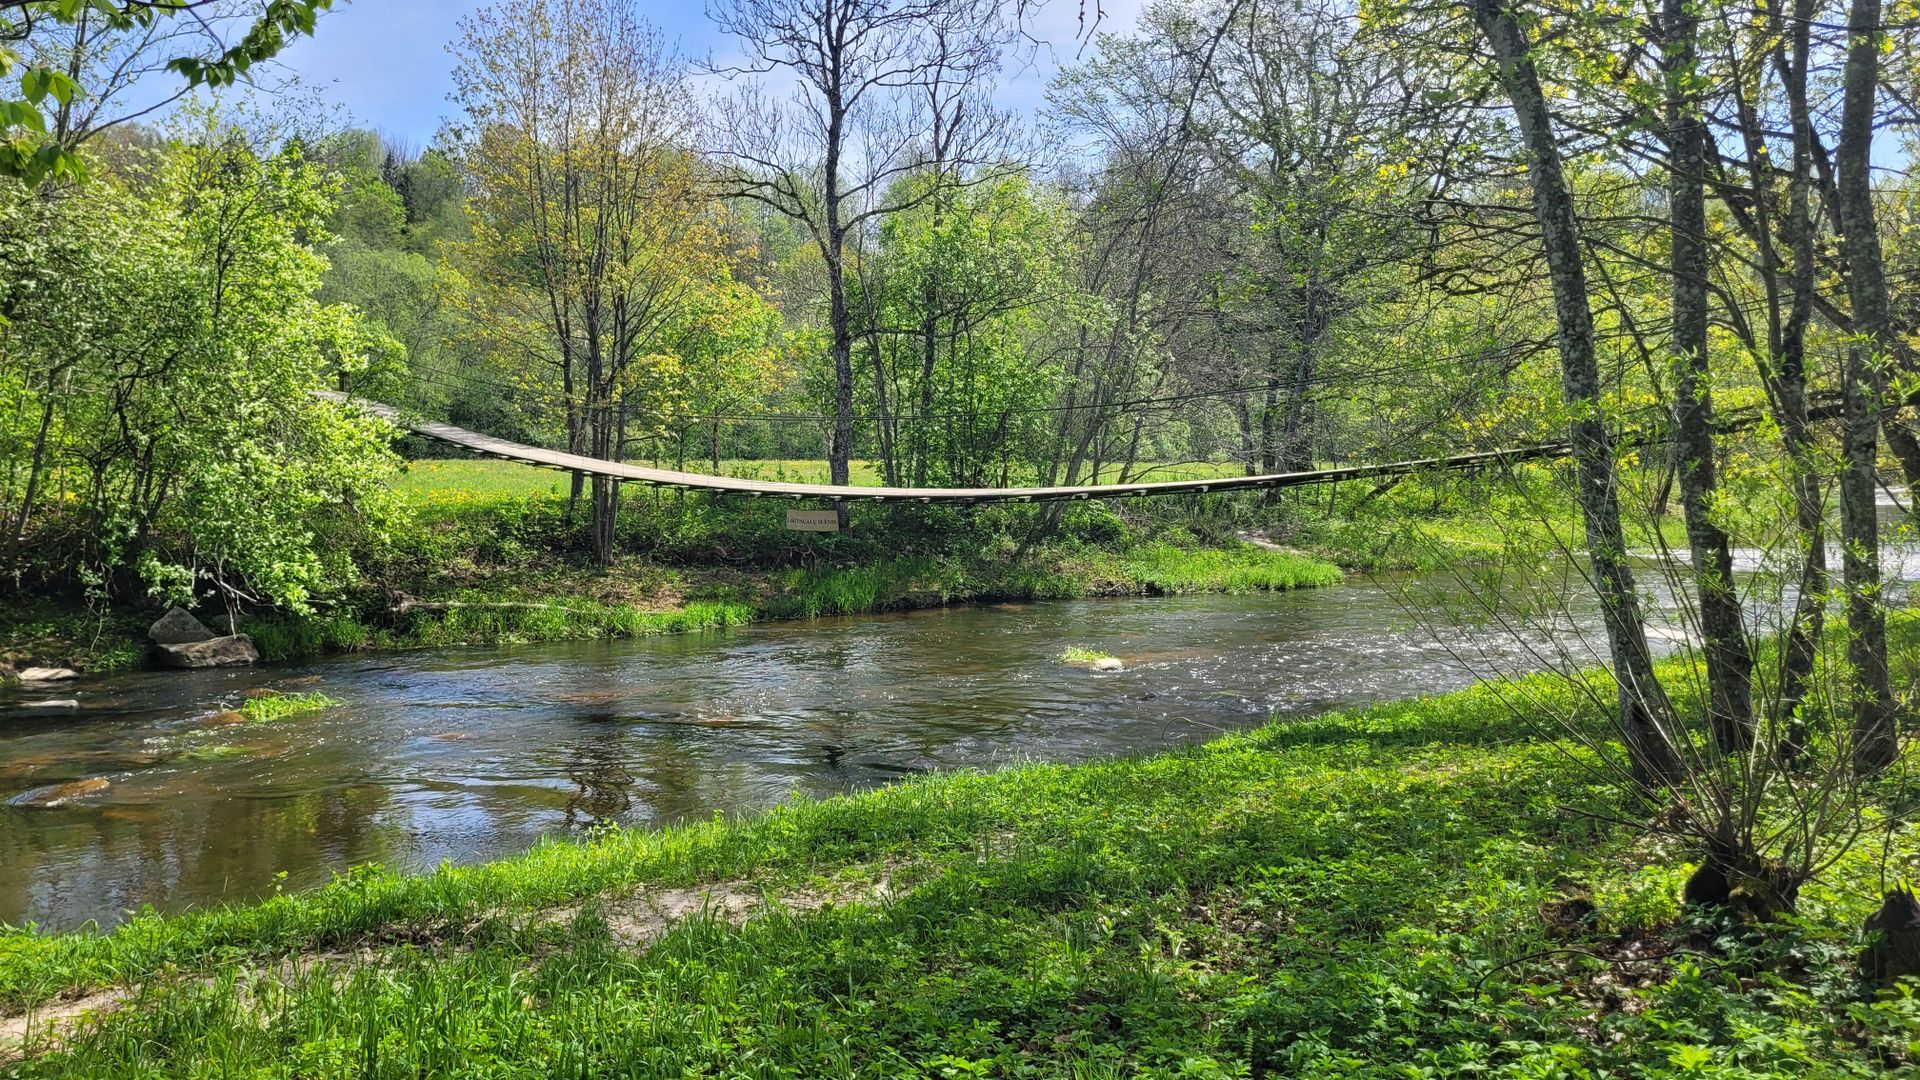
{"points": [[33, 83], [22, 114]]}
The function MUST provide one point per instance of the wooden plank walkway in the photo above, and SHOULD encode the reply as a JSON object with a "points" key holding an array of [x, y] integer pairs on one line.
{"points": [[763, 489]]}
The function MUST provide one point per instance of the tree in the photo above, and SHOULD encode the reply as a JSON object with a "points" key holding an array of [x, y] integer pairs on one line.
{"points": [[1313, 124], [829, 158], [1729, 660], [1875, 742], [164, 333], [36, 147], [961, 308], [1645, 720], [591, 231]]}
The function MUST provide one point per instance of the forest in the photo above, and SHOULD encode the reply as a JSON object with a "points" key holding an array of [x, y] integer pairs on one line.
{"points": [[1661, 254]]}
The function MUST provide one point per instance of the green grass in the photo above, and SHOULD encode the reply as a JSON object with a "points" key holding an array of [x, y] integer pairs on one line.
{"points": [[1080, 654], [452, 482], [47, 632], [1147, 570], [261, 710], [509, 570], [1364, 894], [496, 538]]}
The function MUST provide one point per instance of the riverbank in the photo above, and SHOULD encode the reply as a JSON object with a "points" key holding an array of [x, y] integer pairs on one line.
{"points": [[638, 598], [1420, 886], [492, 555], [489, 560]]}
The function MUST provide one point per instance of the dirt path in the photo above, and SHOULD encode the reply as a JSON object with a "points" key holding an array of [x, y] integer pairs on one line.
{"points": [[634, 919]]}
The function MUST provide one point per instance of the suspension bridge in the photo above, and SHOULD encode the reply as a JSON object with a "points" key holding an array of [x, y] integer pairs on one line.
{"points": [[766, 489]]}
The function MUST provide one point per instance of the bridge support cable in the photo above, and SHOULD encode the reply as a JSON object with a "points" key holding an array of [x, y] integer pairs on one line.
{"points": [[764, 489]]}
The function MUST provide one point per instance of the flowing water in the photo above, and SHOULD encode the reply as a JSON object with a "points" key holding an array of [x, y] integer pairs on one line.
{"points": [[468, 754]]}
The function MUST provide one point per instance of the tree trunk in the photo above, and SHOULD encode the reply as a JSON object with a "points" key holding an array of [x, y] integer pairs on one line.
{"points": [[1892, 951], [1296, 451], [18, 534], [1270, 408], [1790, 385], [1644, 712], [889, 471], [1869, 692], [1872, 700], [839, 318], [1728, 659]]}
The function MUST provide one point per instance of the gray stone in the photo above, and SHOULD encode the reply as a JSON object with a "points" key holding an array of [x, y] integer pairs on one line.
{"points": [[177, 627], [1109, 663], [56, 703], [230, 651], [48, 674]]}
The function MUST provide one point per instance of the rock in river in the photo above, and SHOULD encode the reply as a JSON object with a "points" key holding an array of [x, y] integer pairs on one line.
{"points": [[57, 795], [48, 674], [177, 627], [54, 703], [1109, 663], [230, 651]]}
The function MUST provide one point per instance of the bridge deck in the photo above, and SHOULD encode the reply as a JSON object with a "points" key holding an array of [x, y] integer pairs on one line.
{"points": [[668, 478]]}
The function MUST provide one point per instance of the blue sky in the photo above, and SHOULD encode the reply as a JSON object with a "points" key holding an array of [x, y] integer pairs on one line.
{"points": [[386, 63]]}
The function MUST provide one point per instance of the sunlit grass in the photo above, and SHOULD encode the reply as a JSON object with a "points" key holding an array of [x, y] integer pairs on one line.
{"points": [[1366, 893], [1080, 654], [450, 483], [261, 710]]}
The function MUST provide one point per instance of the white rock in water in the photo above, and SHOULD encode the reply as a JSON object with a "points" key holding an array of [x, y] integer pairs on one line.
{"points": [[56, 703], [48, 674], [1109, 663]]}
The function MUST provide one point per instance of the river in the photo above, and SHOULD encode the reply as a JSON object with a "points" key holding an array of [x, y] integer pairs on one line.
{"points": [[470, 754]]}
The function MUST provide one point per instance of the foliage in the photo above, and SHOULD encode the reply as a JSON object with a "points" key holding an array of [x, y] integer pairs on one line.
{"points": [[46, 633], [597, 267], [513, 569], [161, 343], [29, 155], [965, 307]]}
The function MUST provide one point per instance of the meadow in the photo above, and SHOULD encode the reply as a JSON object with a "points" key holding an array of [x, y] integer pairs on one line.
{"points": [[442, 484]]}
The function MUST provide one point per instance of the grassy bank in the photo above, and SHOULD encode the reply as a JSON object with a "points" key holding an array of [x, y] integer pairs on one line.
{"points": [[1396, 891], [493, 556]]}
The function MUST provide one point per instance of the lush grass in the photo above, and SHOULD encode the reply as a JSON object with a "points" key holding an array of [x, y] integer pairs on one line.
{"points": [[449, 483], [1151, 569], [261, 710], [496, 565], [541, 609], [1452, 520], [1373, 893], [1080, 654], [48, 632], [496, 538], [514, 569]]}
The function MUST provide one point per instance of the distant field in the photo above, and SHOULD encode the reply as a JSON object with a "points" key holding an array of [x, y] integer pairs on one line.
{"points": [[449, 484]]}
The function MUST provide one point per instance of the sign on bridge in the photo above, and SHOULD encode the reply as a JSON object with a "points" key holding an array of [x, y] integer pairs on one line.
{"points": [[813, 520]]}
